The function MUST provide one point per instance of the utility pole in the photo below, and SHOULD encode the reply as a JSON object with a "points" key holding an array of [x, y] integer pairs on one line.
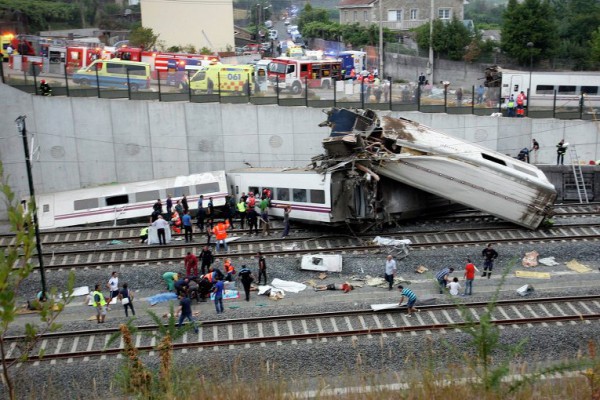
{"points": [[20, 121], [381, 73], [430, 62]]}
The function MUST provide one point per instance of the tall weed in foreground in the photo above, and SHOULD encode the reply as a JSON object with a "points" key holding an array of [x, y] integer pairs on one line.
{"points": [[491, 374], [15, 267], [137, 379]]}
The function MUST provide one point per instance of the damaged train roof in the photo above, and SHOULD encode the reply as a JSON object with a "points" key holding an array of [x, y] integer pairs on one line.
{"points": [[424, 158]]}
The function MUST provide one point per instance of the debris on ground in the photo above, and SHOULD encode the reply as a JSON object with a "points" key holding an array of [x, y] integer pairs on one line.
{"points": [[115, 242], [322, 262], [530, 259], [548, 261], [525, 290], [382, 283], [322, 275], [398, 246], [578, 267], [421, 269], [532, 275]]}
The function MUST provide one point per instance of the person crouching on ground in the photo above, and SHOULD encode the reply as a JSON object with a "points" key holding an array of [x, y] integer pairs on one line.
{"points": [[411, 297]]}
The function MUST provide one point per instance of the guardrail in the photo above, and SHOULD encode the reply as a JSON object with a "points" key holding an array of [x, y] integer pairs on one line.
{"points": [[319, 92]]}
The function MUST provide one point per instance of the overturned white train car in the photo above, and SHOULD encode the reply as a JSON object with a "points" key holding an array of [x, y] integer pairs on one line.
{"points": [[423, 158], [338, 196]]}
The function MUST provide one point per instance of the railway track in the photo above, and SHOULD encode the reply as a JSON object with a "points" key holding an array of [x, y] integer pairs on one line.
{"points": [[286, 329], [145, 255], [94, 235]]}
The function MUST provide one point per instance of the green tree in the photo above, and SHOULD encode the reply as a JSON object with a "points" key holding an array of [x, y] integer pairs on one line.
{"points": [[15, 267], [143, 37], [531, 21], [310, 14], [595, 47], [36, 15]]}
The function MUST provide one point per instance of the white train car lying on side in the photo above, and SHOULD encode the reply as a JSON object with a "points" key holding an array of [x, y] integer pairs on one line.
{"points": [[455, 169], [334, 197], [126, 200]]}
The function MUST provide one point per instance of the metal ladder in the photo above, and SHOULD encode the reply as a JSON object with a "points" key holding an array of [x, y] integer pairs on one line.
{"points": [[579, 182]]}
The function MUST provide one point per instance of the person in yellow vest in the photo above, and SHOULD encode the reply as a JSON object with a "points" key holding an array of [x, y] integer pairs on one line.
{"points": [[143, 234], [241, 209], [99, 303]]}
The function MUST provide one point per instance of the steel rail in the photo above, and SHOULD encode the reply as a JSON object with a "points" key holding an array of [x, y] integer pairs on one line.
{"points": [[328, 314], [316, 336], [356, 248]]}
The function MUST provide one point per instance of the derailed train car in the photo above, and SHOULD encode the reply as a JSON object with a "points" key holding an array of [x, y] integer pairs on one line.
{"points": [[421, 157], [341, 195]]}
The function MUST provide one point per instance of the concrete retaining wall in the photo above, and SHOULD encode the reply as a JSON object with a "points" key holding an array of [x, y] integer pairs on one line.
{"points": [[89, 141]]}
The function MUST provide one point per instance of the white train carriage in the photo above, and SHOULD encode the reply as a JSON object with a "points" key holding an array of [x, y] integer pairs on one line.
{"points": [[336, 196], [126, 200], [547, 89]]}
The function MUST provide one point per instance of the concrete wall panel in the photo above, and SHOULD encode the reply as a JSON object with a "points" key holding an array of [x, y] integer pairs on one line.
{"points": [[92, 122], [205, 142], [132, 146], [168, 139]]}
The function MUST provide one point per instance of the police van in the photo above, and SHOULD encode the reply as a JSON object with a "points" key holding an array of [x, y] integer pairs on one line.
{"points": [[115, 73], [228, 79]]}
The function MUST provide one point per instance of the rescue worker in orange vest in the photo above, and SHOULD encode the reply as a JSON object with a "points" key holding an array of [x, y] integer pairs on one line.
{"points": [[520, 104], [229, 270], [175, 222], [220, 232]]}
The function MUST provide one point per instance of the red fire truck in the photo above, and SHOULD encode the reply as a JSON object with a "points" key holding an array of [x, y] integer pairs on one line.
{"points": [[81, 56], [292, 74], [159, 61]]}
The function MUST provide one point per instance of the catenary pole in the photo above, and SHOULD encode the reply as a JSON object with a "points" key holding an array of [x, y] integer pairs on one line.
{"points": [[21, 126]]}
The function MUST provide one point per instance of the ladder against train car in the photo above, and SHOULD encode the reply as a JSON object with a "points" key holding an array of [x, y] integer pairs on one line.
{"points": [[578, 175]]}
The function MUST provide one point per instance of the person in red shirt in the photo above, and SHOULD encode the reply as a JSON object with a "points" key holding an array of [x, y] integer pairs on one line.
{"points": [[191, 264], [470, 270]]}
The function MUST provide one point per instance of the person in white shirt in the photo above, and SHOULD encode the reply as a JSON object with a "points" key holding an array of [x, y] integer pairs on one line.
{"points": [[390, 270], [454, 287], [160, 224], [113, 286]]}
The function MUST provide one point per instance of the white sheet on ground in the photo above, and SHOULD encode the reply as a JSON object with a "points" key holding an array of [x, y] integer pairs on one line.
{"points": [[78, 291], [322, 262], [548, 261], [288, 286], [382, 241], [379, 307]]}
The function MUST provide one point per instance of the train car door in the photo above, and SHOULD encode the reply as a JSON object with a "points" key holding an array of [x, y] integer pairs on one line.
{"points": [[45, 212], [516, 85]]}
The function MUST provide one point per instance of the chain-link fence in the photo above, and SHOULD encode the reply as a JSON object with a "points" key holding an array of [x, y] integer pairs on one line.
{"points": [[240, 84]]}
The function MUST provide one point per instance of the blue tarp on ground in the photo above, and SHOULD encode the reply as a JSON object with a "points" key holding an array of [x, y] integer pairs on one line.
{"points": [[161, 297]]}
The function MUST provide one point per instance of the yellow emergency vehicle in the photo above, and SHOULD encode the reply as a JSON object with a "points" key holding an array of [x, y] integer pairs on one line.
{"points": [[6, 39], [229, 79]]}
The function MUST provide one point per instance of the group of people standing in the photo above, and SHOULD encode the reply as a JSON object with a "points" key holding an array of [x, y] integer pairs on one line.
{"points": [[123, 293], [248, 209]]}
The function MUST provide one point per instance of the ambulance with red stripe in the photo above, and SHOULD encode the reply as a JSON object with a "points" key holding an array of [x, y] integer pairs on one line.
{"points": [[228, 79]]}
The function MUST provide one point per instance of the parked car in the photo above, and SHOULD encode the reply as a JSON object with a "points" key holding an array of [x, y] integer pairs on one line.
{"points": [[269, 23], [273, 34], [287, 21]]}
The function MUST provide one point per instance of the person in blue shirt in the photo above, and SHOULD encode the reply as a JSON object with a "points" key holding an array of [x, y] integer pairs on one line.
{"points": [[185, 311], [218, 291], [411, 297], [187, 226]]}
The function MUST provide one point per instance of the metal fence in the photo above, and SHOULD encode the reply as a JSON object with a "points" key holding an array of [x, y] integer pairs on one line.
{"points": [[324, 92]]}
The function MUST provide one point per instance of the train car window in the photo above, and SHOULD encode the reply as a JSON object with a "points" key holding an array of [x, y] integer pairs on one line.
{"points": [[203, 188], [299, 195], [492, 159], [46, 208], [85, 204], [589, 90], [544, 89], [567, 90], [253, 189], [150, 195], [116, 200], [282, 194], [179, 191], [317, 196]]}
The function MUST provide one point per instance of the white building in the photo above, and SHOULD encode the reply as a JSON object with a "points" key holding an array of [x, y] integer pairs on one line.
{"points": [[201, 23]]}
